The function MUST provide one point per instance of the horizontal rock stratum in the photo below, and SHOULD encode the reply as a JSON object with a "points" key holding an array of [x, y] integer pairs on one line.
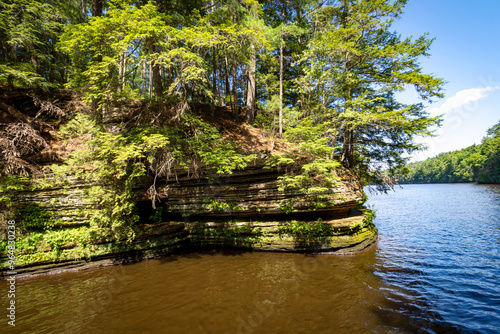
{"points": [[243, 210]]}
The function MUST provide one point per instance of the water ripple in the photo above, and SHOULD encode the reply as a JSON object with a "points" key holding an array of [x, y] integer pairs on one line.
{"points": [[441, 242]]}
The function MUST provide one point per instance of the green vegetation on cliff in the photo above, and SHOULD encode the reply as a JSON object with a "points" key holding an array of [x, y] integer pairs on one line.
{"points": [[124, 95], [476, 163]]}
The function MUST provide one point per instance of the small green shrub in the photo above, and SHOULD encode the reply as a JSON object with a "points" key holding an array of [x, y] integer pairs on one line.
{"points": [[79, 125], [216, 206], [306, 230], [369, 216], [156, 218]]}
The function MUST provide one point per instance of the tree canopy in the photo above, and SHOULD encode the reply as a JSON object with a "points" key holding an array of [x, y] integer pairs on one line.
{"points": [[322, 74]]}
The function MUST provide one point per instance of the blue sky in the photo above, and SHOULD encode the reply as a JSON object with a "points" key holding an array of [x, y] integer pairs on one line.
{"points": [[466, 53]]}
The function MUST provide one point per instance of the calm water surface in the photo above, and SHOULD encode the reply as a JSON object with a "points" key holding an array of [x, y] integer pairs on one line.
{"points": [[436, 269]]}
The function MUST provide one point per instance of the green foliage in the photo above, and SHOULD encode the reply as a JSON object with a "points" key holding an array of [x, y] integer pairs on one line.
{"points": [[9, 184], [352, 71], [81, 124], [342, 67], [369, 216], [29, 30], [32, 217], [305, 230], [97, 49], [207, 143], [34, 245], [317, 179], [476, 163], [156, 218], [82, 237], [363, 200], [213, 205], [287, 206], [113, 163], [227, 230], [108, 51]]}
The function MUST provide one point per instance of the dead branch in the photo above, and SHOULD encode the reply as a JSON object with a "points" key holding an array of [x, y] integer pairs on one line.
{"points": [[47, 109]]}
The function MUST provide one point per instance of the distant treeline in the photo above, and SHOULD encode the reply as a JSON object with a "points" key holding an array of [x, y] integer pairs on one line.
{"points": [[476, 163]]}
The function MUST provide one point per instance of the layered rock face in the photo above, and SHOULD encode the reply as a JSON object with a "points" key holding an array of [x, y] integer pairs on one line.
{"points": [[246, 210], [253, 193]]}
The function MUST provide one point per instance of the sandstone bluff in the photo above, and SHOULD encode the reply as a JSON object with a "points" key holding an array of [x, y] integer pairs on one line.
{"points": [[245, 209], [249, 215]]}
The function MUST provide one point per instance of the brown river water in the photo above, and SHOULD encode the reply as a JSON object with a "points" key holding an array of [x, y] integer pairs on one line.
{"points": [[435, 269]]}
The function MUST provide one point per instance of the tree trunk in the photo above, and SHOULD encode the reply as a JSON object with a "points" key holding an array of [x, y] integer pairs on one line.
{"points": [[221, 82], [132, 82], [96, 11], [228, 91], [121, 74], [124, 71], [34, 62], [157, 81], [144, 76], [214, 69], [155, 74], [84, 10], [119, 87], [235, 90], [251, 84], [170, 75], [323, 96], [350, 157], [96, 7], [280, 117], [346, 149], [150, 81], [243, 82], [214, 80]]}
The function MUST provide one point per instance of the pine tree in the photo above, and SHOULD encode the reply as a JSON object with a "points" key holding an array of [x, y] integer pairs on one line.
{"points": [[29, 31], [354, 67]]}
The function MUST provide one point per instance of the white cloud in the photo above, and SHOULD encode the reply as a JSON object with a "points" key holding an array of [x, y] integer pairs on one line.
{"points": [[459, 129], [463, 98]]}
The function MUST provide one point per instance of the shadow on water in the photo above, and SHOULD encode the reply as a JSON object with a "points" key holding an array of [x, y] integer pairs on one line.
{"points": [[200, 252]]}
